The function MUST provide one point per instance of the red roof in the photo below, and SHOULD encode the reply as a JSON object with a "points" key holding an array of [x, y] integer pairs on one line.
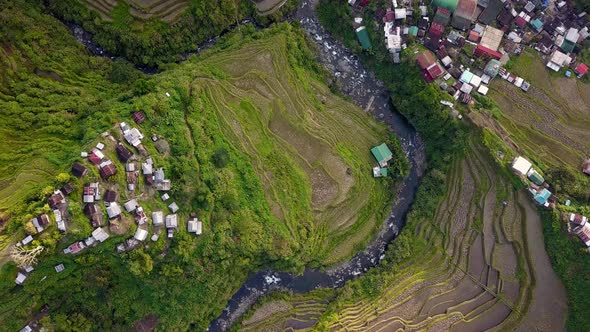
{"points": [[425, 59], [94, 159], [473, 36], [482, 50], [436, 30], [581, 69], [389, 16], [443, 11], [521, 22], [433, 72]]}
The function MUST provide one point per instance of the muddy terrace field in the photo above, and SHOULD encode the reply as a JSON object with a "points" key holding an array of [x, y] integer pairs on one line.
{"points": [[550, 122], [485, 268]]}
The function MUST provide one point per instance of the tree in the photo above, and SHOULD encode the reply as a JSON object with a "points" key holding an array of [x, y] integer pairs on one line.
{"points": [[221, 158], [62, 177], [25, 257]]}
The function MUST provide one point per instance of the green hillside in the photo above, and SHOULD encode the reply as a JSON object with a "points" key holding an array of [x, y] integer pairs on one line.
{"points": [[276, 166]]}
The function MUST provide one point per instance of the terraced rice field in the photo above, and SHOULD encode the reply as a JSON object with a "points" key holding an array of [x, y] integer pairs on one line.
{"points": [[550, 121], [166, 10], [311, 150], [298, 312], [486, 267], [267, 7]]}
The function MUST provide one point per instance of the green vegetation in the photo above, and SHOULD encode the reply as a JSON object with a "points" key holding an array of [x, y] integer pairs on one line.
{"points": [[568, 258], [276, 167], [160, 31]]}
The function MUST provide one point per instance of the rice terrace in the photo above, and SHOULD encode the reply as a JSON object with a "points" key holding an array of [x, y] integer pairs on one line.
{"points": [[294, 165]]}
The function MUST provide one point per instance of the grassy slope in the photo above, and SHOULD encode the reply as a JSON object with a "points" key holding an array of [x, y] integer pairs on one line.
{"points": [[210, 105]]}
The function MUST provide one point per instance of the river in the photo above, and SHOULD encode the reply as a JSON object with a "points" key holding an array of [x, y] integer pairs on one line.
{"points": [[367, 92]]}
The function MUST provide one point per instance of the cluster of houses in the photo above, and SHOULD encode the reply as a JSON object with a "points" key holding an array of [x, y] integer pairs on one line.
{"points": [[383, 155], [95, 192], [464, 33], [537, 186], [578, 224]]}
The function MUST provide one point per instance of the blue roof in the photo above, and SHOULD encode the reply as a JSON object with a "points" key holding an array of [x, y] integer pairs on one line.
{"points": [[466, 77], [542, 196], [537, 24], [568, 74]]}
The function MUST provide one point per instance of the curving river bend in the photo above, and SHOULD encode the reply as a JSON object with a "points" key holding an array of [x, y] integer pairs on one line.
{"points": [[368, 93]]}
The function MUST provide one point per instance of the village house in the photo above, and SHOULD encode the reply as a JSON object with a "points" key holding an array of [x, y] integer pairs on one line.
{"points": [[160, 182], [123, 153], [581, 227], [95, 156], [140, 234], [138, 117], [133, 136], [110, 196], [91, 193], [56, 200], [541, 196], [79, 170], [382, 154], [171, 224], [173, 207], [67, 189], [75, 248], [107, 169], [431, 70], [379, 172], [581, 70], [165, 197], [140, 216], [195, 226], [464, 14], [40, 222], [490, 43], [157, 218], [113, 210], [61, 224], [100, 235], [94, 213], [131, 178], [521, 166], [59, 268], [131, 205], [28, 239], [558, 60], [20, 278], [363, 37]]}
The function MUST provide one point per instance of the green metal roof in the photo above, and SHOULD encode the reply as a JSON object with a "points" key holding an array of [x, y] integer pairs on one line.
{"points": [[383, 171], [492, 68], [448, 4], [536, 178], [567, 46], [413, 30], [381, 152], [363, 36]]}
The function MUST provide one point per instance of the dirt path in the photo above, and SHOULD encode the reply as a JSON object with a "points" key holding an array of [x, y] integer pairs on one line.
{"points": [[548, 307]]}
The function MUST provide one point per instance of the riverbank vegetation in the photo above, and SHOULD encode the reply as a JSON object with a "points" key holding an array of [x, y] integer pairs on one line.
{"points": [[276, 166], [161, 31]]}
